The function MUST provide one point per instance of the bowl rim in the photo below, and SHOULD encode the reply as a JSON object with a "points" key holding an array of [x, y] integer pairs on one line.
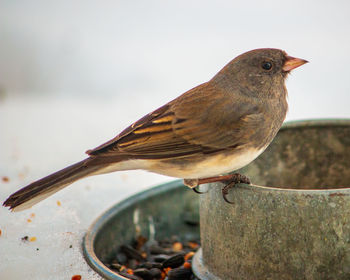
{"points": [[93, 230]]}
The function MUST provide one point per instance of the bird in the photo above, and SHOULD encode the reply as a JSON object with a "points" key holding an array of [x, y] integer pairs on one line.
{"points": [[201, 136]]}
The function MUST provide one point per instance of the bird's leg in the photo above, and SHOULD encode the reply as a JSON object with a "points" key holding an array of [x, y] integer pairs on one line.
{"points": [[231, 180]]}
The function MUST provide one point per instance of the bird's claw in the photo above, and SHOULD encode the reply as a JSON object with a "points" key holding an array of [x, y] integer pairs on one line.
{"points": [[225, 190], [195, 189], [235, 179]]}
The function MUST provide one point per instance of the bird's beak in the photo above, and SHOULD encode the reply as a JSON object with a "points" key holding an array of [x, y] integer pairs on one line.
{"points": [[292, 63]]}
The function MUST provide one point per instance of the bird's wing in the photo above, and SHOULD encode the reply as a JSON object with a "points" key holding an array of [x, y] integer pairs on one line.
{"points": [[198, 121]]}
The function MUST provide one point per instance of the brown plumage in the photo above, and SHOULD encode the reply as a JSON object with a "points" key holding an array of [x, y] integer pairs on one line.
{"points": [[212, 129]]}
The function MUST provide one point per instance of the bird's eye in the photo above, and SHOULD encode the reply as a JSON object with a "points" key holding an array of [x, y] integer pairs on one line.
{"points": [[266, 65]]}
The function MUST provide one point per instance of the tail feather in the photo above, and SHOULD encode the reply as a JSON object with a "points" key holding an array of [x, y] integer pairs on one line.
{"points": [[41, 189]]}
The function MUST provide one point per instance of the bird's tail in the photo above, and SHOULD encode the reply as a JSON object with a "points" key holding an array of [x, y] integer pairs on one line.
{"points": [[41, 189]]}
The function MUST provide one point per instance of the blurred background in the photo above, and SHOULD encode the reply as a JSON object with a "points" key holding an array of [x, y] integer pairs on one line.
{"points": [[73, 74], [86, 69], [154, 50]]}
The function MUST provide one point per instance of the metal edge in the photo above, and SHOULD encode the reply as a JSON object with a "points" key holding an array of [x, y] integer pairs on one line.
{"points": [[100, 221], [252, 187], [200, 270], [315, 123]]}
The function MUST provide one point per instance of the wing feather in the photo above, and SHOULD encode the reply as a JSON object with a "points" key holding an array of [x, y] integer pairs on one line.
{"points": [[199, 121]]}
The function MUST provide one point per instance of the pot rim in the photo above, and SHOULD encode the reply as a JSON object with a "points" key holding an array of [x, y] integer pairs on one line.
{"points": [[315, 123]]}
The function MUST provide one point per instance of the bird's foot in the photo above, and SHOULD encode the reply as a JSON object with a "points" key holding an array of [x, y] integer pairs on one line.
{"points": [[193, 184], [231, 180], [236, 178]]}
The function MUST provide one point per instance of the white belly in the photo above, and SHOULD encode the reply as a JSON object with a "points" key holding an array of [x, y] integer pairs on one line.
{"points": [[201, 167], [208, 166]]}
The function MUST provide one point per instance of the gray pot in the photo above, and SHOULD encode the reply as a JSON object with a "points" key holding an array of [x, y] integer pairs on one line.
{"points": [[296, 223]]}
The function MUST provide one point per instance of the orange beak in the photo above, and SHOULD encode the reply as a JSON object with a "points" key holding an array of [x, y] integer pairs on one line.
{"points": [[292, 63]]}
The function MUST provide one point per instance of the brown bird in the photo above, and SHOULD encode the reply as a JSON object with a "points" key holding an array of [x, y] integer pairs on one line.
{"points": [[213, 129]]}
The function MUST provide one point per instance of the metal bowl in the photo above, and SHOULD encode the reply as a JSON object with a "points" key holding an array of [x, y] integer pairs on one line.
{"points": [[163, 211], [296, 223]]}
